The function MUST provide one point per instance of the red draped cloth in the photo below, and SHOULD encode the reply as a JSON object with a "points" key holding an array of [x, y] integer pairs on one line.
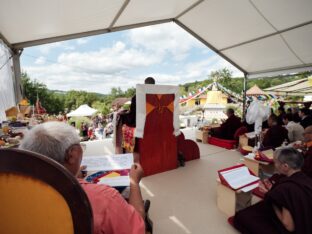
{"points": [[158, 148]]}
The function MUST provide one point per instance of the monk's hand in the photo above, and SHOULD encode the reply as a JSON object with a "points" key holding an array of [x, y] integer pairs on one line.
{"points": [[263, 187], [268, 184], [136, 173], [82, 172]]}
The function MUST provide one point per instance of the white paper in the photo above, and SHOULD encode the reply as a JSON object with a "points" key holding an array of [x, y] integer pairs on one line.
{"points": [[238, 177], [250, 187], [108, 162], [116, 181], [250, 135]]}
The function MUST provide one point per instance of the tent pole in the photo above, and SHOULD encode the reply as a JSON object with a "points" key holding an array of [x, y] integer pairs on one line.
{"points": [[17, 75], [244, 96]]}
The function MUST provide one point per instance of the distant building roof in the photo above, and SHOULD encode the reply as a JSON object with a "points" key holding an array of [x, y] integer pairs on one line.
{"points": [[255, 91], [120, 101]]}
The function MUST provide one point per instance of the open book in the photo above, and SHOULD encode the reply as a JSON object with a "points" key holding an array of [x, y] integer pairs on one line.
{"points": [[112, 170], [238, 177]]}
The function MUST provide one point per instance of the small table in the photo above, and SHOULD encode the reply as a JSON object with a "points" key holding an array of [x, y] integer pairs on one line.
{"points": [[202, 136], [255, 165], [230, 201]]}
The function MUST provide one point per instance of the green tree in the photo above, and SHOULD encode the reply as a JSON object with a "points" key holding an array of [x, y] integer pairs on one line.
{"points": [[73, 99], [223, 75], [130, 92], [101, 107], [32, 89]]}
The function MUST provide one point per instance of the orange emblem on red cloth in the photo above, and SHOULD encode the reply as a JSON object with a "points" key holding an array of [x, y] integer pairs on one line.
{"points": [[150, 107]]}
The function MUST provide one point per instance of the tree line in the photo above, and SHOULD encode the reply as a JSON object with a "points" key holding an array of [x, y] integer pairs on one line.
{"points": [[55, 101], [59, 101]]}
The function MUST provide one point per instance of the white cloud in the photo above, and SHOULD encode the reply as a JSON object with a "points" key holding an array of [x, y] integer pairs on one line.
{"points": [[115, 59], [81, 41], [107, 67], [201, 69], [40, 61], [162, 39], [47, 48]]}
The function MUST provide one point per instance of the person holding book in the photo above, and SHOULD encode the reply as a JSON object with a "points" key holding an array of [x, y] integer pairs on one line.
{"points": [[111, 213], [287, 205]]}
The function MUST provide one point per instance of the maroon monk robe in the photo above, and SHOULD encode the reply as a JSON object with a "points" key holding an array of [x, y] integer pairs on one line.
{"points": [[294, 193], [307, 166], [275, 136], [158, 148], [228, 128]]}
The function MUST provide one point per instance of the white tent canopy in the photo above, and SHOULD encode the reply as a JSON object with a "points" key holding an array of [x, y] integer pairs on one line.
{"points": [[259, 37], [302, 87], [83, 110]]}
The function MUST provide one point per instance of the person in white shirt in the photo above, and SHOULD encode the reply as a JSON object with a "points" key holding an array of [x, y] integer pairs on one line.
{"points": [[295, 130]]}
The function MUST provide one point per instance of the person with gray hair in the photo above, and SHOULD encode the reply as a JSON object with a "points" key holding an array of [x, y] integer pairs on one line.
{"points": [[287, 206], [51, 140], [111, 213], [287, 161]]}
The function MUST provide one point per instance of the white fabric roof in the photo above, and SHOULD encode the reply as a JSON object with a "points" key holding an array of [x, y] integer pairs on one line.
{"points": [[260, 37], [300, 87], [83, 110]]}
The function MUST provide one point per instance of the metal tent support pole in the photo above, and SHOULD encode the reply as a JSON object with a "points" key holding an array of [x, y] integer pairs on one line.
{"points": [[17, 75], [244, 96]]}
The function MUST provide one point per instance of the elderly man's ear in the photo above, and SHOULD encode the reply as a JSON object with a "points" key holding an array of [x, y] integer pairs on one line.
{"points": [[73, 155]]}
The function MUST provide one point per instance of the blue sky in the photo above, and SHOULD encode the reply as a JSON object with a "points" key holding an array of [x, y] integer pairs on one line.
{"points": [[123, 59]]}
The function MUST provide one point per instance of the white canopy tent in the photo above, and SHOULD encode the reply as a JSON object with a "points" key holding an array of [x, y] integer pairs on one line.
{"points": [[302, 87], [259, 37], [83, 110]]}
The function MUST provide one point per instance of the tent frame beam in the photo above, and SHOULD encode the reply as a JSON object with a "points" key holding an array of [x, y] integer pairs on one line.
{"points": [[121, 10], [189, 8], [266, 36], [6, 41], [285, 70], [87, 34]]}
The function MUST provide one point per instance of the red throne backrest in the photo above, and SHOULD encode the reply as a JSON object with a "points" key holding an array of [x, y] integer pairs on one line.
{"points": [[188, 148]]}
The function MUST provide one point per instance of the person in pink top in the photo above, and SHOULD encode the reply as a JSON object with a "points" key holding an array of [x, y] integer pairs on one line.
{"points": [[111, 213]]}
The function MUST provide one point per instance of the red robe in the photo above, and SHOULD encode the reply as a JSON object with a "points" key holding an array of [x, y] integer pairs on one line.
{"points": [[307, 166], [275, 136], [228, 128], [294, 193]]}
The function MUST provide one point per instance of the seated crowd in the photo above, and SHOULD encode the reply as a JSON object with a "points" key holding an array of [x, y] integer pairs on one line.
{"points": [[287, 205], [111, 212]]}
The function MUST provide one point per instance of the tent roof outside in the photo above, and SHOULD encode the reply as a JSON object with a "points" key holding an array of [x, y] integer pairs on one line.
{"points": [[300, 87], [83, 110], [257, 36], [254, 91]]}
